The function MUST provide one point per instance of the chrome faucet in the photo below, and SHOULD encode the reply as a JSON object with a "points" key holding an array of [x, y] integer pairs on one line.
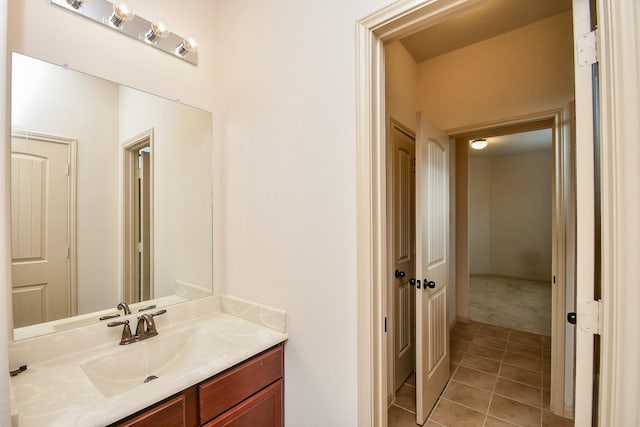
{"points": [[146, 328]]}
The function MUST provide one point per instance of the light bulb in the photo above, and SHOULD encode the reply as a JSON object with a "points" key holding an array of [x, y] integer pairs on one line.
{"points": [[158, 29], [76, 4], [121, 12], [479, 144], [186, 46]]}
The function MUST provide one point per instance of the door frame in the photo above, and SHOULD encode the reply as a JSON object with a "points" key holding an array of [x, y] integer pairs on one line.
{"points": [[620, 62], [563, 215], [72, 259], [129, 158]]}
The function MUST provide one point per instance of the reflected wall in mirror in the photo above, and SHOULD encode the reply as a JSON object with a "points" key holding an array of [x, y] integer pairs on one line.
{"points": [[110, 198]]}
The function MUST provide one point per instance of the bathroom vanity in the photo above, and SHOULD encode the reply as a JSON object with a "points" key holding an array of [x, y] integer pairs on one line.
{"points": [[249, 392], [216, 361]]}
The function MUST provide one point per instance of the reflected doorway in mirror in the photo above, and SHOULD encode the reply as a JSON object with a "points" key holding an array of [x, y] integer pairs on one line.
{"points": [[138, 218]]}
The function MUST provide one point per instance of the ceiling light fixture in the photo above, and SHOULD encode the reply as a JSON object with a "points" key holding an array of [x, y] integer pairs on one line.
{"points": [[157, 30], [478, 144], [121, 12]]}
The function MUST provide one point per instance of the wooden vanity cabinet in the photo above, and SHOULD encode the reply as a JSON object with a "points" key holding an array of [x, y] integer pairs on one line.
{"points": [[247, 395]]}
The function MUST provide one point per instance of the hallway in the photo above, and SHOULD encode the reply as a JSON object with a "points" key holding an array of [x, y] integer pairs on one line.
{"points": [[499, 377]]}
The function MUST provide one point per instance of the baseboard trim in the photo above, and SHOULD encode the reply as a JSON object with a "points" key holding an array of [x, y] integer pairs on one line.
{"points": [[501, 276]]}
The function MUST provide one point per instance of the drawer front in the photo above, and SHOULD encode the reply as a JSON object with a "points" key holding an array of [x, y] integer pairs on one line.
{"points": [[264, 409], [172, 413], [234, 386]]}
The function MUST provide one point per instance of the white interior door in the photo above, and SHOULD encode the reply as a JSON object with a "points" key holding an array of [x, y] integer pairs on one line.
{"points": [[404, 251], [432, 265], [40, 231]]}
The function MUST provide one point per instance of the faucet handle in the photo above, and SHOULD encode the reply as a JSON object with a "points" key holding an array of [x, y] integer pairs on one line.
{"points": [[158, 313], [126, 331]]}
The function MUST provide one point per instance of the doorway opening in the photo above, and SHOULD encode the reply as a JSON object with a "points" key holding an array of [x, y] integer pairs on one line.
{"points": [[390, 24], [138, 218]]}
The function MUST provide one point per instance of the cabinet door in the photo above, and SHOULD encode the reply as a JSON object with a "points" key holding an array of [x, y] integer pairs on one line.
{"points": [[171, 413], [263, 409]]}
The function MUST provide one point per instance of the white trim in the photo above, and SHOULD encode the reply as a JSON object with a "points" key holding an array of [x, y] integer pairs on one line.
{"points": [[585, 220], [619, 41]]}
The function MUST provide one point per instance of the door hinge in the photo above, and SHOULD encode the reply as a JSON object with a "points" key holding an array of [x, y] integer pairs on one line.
{"points": [[590, 316], [385, 323], [68, 169], [68, 252], [587, 48]]}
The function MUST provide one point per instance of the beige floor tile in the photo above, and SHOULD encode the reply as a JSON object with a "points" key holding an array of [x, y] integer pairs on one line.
{"points": [[494, 422], [488, 352], [522, 361], [495, 331], [528, 339], [406, 398], [551, 420], [546, 382], [524, 350], [463, 334], [475, 378], [398, 417], [460, 345], [518, 391], [468, 396], [515, 412], [467, 326], [456, 356], [526, 376], [453, 415], [480, 363], [490, 341]]}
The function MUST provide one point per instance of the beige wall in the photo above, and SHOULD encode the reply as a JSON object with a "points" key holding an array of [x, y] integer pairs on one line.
{"points": [[182, 198], [401, 81], [479, 215], [510, 215], [497, 78]]}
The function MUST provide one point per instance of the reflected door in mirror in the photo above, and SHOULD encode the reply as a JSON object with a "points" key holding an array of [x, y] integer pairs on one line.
{"points": [[40, 203]]}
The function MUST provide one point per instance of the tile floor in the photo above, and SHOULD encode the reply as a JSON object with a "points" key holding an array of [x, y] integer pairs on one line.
{"points": [[499, 377]]}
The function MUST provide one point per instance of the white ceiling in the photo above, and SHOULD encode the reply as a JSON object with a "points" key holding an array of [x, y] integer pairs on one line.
{"points": [[488, 19], [515, 143]]}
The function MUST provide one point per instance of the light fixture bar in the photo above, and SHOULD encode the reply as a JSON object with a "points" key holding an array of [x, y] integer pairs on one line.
{"points": [[136, 27]]}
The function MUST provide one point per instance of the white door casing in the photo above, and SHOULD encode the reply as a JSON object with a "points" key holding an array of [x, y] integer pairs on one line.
{"points": [[432, 265]]}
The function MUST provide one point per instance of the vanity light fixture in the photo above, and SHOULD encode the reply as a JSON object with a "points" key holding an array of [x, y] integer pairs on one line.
{"points": [[157, 30], [76, 4], [119, 16], [186, 46], [121, 12], [479, 144]]}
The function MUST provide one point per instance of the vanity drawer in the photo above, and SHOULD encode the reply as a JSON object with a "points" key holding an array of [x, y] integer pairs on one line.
{"points": [[171, 413], [232, 387], [263, 409]]}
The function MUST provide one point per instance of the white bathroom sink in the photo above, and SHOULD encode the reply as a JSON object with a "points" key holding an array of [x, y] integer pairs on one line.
{"points": [[145, 361]]}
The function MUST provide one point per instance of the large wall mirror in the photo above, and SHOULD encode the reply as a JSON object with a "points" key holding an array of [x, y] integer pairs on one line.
{"points": [[111, 199]]}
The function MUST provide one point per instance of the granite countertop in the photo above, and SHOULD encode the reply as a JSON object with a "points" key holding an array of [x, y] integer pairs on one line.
{"points": [[55, 391]]}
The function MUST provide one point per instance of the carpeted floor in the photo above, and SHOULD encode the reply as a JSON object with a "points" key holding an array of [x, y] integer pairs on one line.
{"points": [[511, 303]]}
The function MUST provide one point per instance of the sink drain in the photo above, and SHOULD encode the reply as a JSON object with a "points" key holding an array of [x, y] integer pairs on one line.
{"points": [[150, 378]]}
